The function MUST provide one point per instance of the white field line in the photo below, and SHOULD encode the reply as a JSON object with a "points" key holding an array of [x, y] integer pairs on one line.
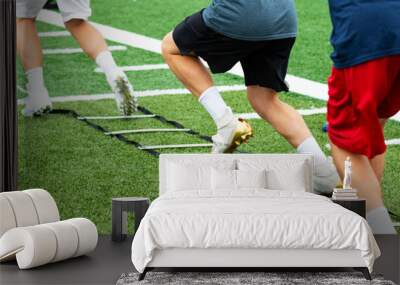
{"points": [[303, 112], [115, 117], [153, 93], [54, 34], [144, 131], [140, 67], [78, 50], [167, 146], [76, 98], [296, 84], [146, 93], [393, 142], [110, 33]]}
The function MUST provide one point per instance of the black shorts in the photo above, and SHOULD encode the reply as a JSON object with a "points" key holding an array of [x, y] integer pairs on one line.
{"points": [[264, 63]]}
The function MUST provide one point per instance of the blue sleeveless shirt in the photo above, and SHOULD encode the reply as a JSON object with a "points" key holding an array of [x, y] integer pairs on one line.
{"points": [[364, 30]]}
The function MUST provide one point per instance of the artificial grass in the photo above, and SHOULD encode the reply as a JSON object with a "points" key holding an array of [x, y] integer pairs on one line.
{"points": [[73, 74], [310, 57], [84, 169]]}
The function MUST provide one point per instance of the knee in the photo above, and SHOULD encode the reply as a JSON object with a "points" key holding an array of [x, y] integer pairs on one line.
{"points": [[74, 23], [168, 46], [261, 94]]}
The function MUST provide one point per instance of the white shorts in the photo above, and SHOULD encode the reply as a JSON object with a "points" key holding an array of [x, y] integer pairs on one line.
{"points": [[70, 9]]}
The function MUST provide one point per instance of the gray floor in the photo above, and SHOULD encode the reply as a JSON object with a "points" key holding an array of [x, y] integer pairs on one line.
{"points": [[104, 266], [110, 260]]}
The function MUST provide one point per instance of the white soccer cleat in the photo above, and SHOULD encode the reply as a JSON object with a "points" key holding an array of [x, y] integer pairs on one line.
{"points": [[232, 132], [127, 102], [37, 103], [326, 178]]}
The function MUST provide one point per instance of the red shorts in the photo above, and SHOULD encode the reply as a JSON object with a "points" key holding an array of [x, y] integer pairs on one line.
{"points": [[358, 97]]}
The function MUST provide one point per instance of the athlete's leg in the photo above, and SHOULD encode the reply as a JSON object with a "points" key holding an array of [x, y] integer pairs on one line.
{"points": [[75, 15], [359, 96], [290, 124], [188, 69], [378, 162], [94, 45], [88, 37], [369, 188], [31, 56], [28, 44], [194, 75], [284, 118], [363, 176]]}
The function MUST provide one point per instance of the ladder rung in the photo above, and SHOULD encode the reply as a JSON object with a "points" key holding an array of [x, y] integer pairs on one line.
{"points": [[176, 146], [116, 117], [140, 131]]}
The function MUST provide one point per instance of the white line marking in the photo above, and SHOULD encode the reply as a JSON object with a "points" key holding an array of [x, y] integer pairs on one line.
{"points": [[78, 50], [176, 146], [142, 131], [393, 142], [396, 117], [110, 33], [139, 67], [115, 117], [249, 116], [54, 34], [151, 93], [309, 112], [303, 112], [146, 93], [77, 98], [297, 84]]}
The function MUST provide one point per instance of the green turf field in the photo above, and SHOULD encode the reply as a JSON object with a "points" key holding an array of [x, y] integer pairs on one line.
{"points": [[84, 169]]}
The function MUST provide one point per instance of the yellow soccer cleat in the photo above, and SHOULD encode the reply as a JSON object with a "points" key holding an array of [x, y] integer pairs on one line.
{"points": [[231, 135]]}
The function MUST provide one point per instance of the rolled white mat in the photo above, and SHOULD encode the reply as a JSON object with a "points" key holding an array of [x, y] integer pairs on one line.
{"points": [[46, 207], [33, 246], [67, 240], [23, 207], [7, 218], [87, 235]]}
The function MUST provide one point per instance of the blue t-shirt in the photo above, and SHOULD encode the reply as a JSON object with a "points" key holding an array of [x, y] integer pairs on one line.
{"points": [[364, 30], [252, 20]]}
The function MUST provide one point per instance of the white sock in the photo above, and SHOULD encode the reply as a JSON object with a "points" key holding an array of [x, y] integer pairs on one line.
{"points": [[380, 222], [107, 64], [310, 145], [214, 104], [35, 80]]}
